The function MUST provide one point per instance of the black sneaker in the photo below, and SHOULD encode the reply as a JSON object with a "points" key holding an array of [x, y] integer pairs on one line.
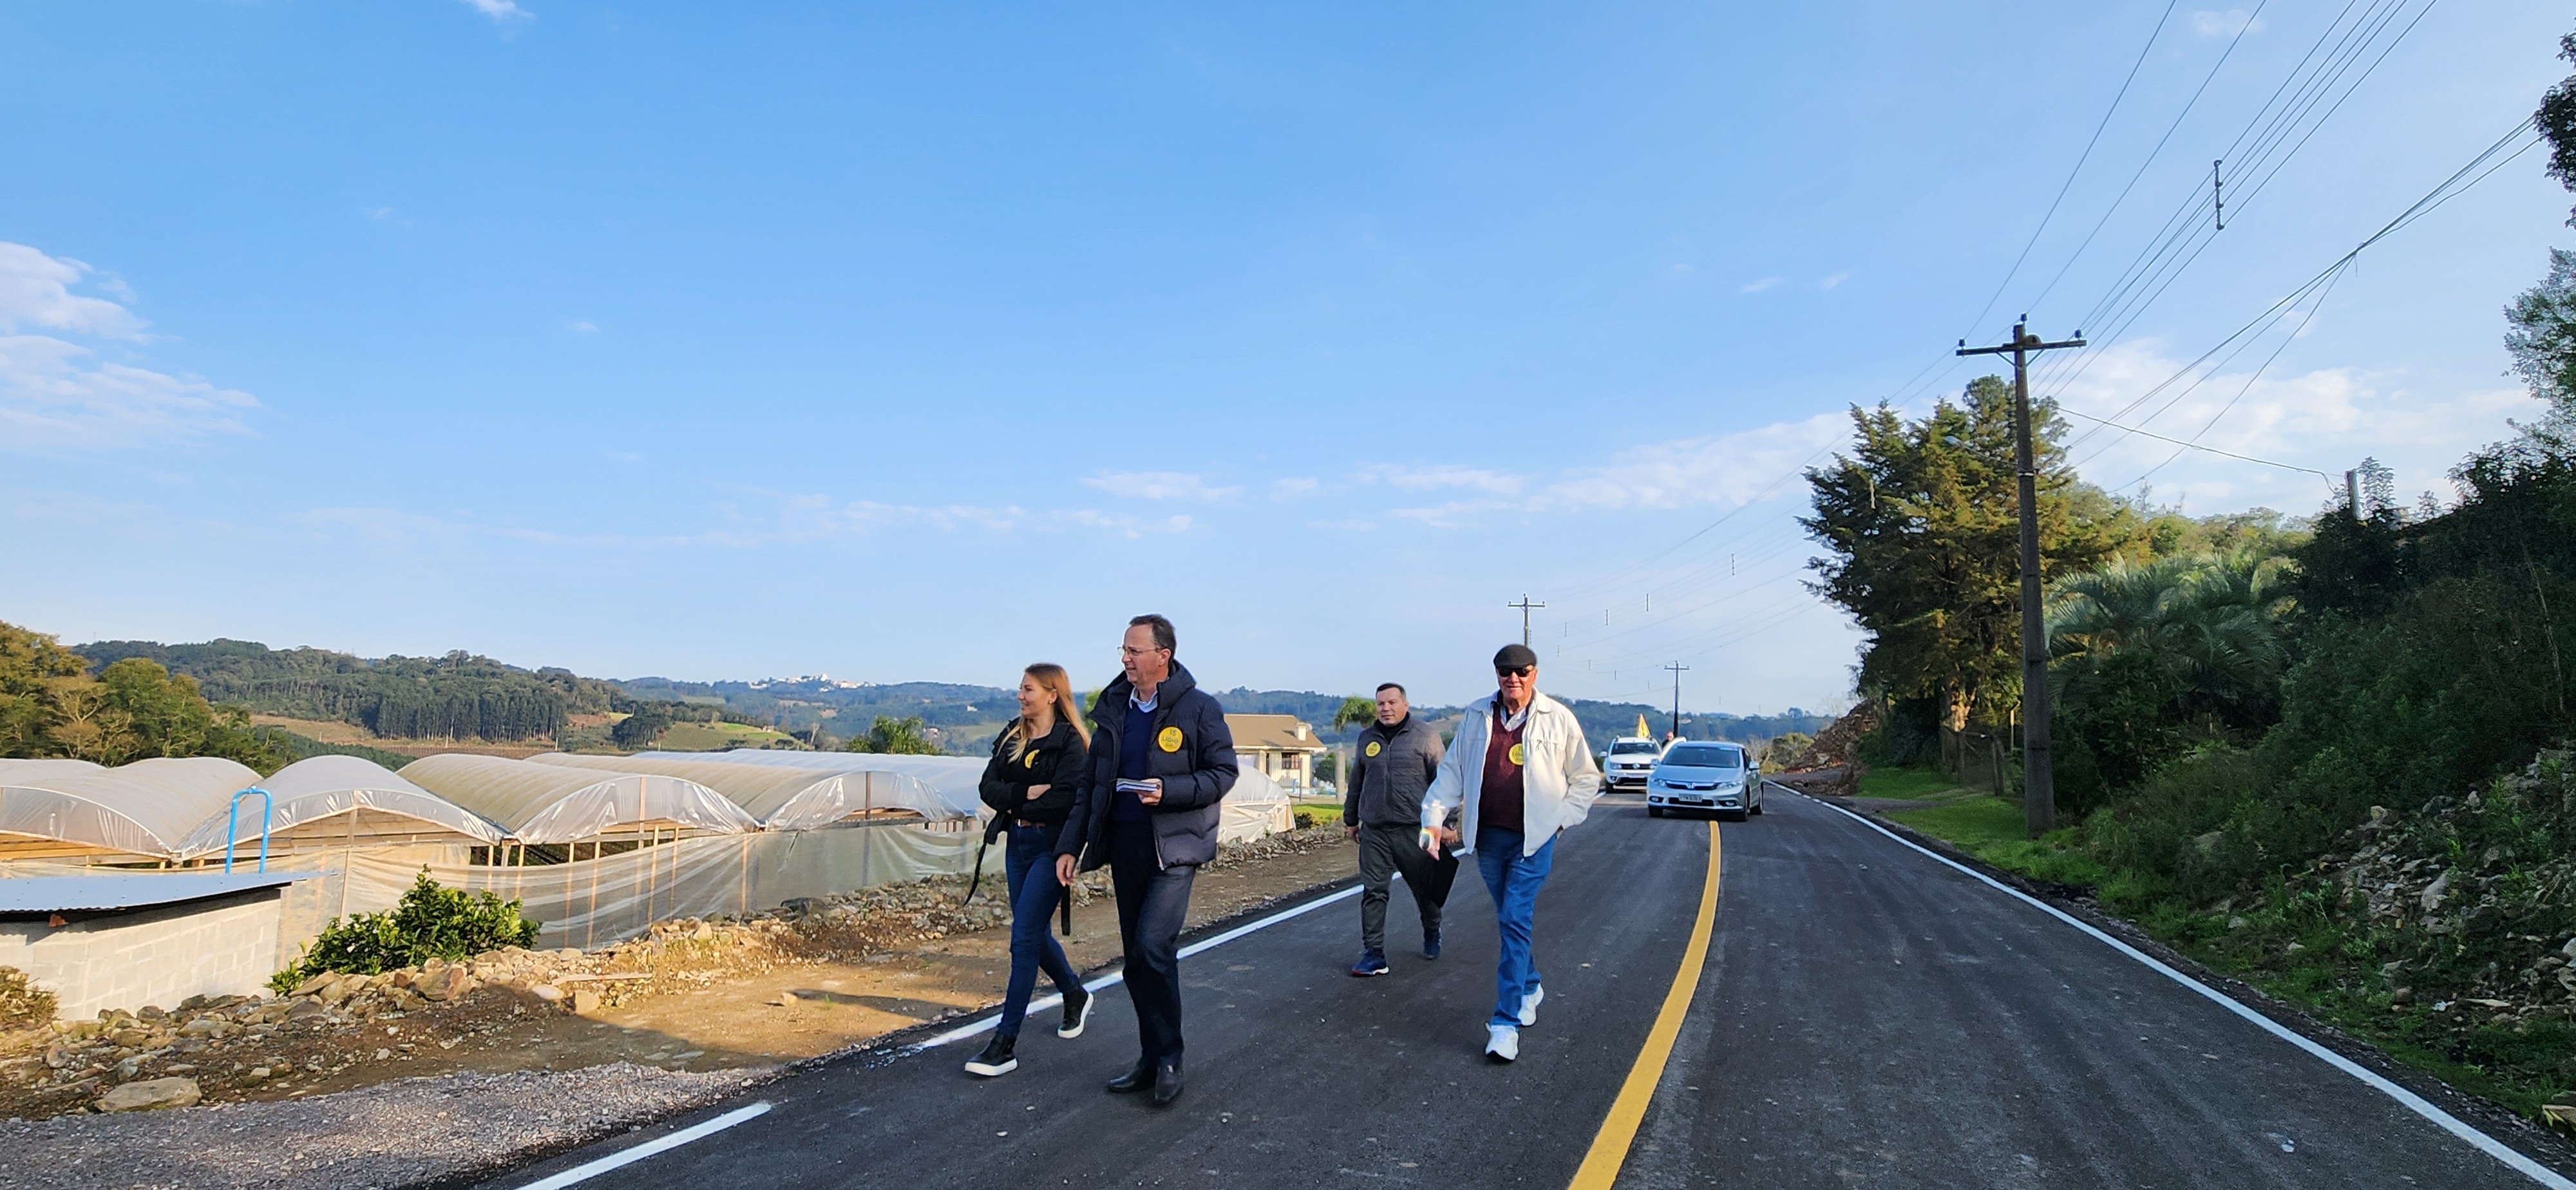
{"points": [[1431, 943], [1077, 1013], [996, 1060]]}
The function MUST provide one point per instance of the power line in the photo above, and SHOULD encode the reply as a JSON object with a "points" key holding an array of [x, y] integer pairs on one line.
{"points": [[2152, 154], [2194, 445], [2071, 174]]}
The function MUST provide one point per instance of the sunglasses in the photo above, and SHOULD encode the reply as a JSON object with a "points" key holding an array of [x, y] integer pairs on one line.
{"points": [[1517, 671]]}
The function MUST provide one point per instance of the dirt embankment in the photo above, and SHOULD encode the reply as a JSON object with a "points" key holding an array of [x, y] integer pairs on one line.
{"points": [[798, 982]]}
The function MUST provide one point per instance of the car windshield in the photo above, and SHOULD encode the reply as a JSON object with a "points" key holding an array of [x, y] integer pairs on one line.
{"points": [[1632, 747], [1705, 756]]}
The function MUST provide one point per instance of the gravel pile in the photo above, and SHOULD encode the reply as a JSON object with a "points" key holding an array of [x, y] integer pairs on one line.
{"points": [[393, 1134]]}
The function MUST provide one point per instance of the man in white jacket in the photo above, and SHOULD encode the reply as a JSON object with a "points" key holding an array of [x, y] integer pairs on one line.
{"points": [[1520, 772]]}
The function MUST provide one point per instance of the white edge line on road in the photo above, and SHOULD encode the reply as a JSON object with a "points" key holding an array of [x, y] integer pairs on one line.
{"points": [[981, 1024], [625, 1157], [2452, 1124]]}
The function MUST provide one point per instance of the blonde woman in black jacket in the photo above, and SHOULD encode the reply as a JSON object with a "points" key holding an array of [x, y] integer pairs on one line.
{"points": [[1036, 773]]}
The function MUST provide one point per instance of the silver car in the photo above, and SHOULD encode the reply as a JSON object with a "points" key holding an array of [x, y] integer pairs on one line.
{"points": [[1712, 776]]}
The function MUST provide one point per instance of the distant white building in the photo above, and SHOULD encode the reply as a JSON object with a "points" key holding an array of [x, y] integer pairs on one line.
{"points": [[1282, 747]]}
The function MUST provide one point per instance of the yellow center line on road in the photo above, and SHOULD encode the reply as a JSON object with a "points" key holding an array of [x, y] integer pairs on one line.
{"points": [[1609, 1151]]}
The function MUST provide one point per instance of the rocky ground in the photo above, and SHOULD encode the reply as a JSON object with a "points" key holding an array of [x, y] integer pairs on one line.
{"points": [[696, 999]]}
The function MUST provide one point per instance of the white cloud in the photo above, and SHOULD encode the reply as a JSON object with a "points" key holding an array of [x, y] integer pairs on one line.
{"points": [[1683, 270], [583, 326], [2326, 419], [1727, 469], [1832, 281], [2210, 23], [1293, 487], [1758, 286], [35, 292], [1437, 476], [501, 10], [56, 393], [1157, 485]]}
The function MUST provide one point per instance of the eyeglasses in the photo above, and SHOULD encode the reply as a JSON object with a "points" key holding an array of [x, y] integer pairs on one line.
{"points": [[1517, 671], [1132, 651]]}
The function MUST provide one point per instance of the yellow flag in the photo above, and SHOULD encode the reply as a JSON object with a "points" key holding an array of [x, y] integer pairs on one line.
{"points": [[1644, 732]]}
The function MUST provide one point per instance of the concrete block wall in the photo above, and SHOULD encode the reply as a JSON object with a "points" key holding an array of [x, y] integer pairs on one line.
{"points": [[220, 946]]}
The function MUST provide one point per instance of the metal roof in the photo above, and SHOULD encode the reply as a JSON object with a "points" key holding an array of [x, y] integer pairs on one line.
{"points": [[136, 890]]}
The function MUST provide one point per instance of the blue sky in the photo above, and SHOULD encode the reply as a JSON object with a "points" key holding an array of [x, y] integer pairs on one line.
{"points": [[922, 342]]}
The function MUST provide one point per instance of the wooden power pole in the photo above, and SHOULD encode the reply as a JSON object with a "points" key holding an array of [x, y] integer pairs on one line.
{"points": [[1677, 668], [1525, 605], [2038, 775]]}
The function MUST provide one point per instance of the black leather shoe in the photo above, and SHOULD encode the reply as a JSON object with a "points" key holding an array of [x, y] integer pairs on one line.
{"points": [[1139, 1079], [1167, 1084]]}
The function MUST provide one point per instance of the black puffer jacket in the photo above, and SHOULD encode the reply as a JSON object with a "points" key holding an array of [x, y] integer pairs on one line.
{"points": [[1197, 768], [1057, 761]]}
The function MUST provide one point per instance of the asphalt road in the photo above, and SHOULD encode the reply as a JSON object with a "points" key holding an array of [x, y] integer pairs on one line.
{"points": [[1866, 1016]]}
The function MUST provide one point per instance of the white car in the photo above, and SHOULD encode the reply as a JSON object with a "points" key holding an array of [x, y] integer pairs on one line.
{"points": [[1629, 762], [1705, 775]]}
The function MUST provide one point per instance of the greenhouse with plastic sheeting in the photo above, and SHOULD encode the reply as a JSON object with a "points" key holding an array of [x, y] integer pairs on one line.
{"points": [[139, 812], [785, 798], [596, 847], [344, 802]]}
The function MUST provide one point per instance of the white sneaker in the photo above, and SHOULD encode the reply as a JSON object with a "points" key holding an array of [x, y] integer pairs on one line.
{"points": [[1529, 1006], [1502, 1043]]}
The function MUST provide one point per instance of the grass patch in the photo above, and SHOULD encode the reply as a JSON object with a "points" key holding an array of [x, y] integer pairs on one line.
{"points": [[1908, 784], [1992, 830], [711, 737], [1308, 814]]}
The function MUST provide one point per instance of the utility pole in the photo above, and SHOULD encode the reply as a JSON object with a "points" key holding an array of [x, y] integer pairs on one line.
{"points": [[2352, 493], [1525, 605], [2038, 776], [1677, 668]]}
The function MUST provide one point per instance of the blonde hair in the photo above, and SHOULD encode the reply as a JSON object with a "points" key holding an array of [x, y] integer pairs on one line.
{"points": [[1059, 687]]}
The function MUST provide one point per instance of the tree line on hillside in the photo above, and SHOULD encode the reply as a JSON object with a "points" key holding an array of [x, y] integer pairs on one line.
{"points": [[54, 702], [457, 696]]}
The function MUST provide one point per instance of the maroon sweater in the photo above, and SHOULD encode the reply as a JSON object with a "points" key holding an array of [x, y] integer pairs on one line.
{"points": [[1498, 799]]}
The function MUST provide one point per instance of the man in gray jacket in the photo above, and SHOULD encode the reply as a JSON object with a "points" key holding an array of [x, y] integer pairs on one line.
{"points": [[1394, 762]]}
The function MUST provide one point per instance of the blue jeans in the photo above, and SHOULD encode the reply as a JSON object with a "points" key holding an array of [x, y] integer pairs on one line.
{"points": [[1514, 879], [1030, 866]]}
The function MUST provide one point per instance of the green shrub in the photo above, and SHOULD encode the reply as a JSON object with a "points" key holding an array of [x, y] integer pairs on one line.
{"points": [[431, 922]]}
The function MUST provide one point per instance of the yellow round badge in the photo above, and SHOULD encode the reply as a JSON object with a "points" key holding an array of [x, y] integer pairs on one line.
{"points": [[1518, 755], [1373, 749], [1169, 740]]}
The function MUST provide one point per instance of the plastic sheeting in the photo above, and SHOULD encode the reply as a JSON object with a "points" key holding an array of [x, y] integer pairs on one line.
{"points": [[1256, 806], [951, 781], [376, 802], [594, 902], [547, 803], [783, 799], [141, 809]]}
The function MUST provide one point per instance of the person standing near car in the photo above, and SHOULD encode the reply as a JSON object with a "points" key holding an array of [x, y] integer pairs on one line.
{"points": [[1520, 773], [1393, 761], [1161, 761], [1031, 783]]}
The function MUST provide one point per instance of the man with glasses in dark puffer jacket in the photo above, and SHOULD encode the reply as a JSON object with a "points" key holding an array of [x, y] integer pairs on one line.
{"points": [[1161, 762]]}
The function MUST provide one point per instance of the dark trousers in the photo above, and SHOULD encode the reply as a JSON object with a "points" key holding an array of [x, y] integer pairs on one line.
{"points": [[1387, 850], [1153, 902], [1030, 864]]}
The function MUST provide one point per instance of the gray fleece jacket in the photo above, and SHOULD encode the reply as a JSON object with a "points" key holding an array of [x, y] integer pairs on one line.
{"points": [[1389, 770]]}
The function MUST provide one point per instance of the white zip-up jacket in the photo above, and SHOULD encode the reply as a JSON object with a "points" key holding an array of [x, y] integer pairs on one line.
{"points": [[1558, 782]]}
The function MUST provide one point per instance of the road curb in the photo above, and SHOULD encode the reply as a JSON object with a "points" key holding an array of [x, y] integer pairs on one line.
{"points": [[2497, 1120]]}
